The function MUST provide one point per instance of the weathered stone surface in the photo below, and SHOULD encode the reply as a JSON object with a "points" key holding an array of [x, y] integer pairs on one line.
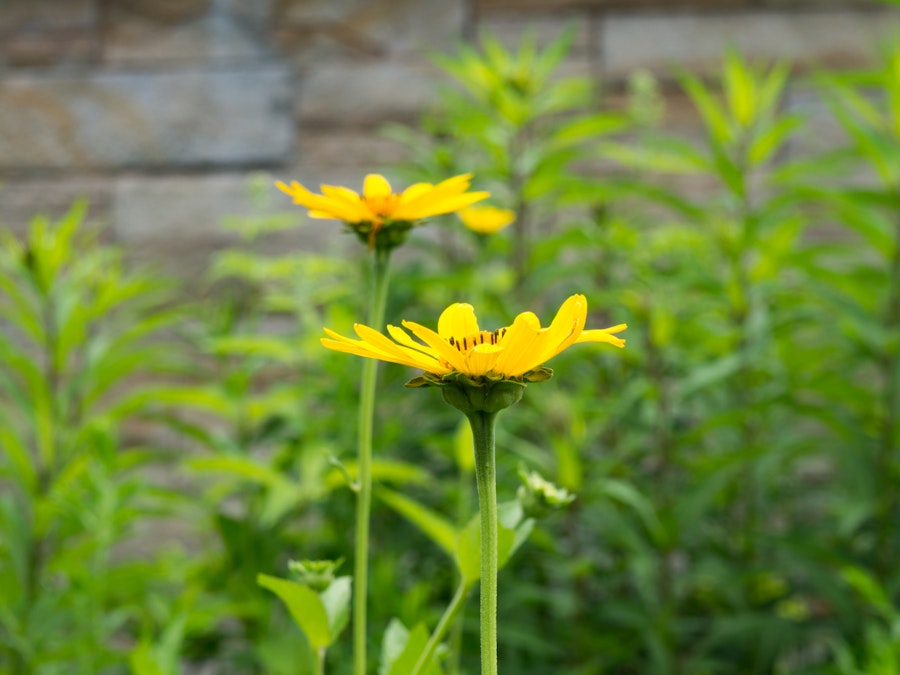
{"points": [[180, 221], [213, 30], [365, 94], [47, 14], [314, 30], [46, 32], [145, 119], [23, 198], [344, 150], [660, 41], [821, 131], [551, 5], [510, 28]]}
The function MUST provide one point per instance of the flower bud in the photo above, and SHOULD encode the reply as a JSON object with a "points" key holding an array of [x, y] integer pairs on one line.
{"points": [[316, 574], [538, 496]]}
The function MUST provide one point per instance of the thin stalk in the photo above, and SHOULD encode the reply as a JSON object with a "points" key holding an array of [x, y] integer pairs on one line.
{"points": [[319, 661], [447, 619], [463, 511], [890, 402], [380, 269], [486, 480]]}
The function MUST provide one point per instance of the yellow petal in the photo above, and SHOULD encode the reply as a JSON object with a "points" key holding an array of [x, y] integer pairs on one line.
{"points": [[603, 335], [366, 349], [519, 346], [400, 336], [376, 186], [436, 204], [458, 321], [443, 348], [402, 354], [415, 191], [486, 219], [482, 359]]}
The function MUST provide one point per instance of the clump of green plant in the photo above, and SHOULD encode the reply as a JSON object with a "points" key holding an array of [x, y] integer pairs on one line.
{"points": [[80, 337]]}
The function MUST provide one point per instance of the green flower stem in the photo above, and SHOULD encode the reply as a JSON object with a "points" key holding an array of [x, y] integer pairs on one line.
{"points": [[449, 617], [486, 480], [380, 269], [319, 661]]}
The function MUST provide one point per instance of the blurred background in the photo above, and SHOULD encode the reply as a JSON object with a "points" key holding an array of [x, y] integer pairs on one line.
{"points": [[158, 110], [722, 175]]}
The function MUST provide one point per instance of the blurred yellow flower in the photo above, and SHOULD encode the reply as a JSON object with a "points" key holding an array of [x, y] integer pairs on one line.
{"points": [[378, 207], [460, 346], [486, 219]]}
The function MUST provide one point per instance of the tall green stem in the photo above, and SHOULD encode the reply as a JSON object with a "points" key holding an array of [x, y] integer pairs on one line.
{"points": [[319, 661], [449, 616], [380, 269], [486, 479]]}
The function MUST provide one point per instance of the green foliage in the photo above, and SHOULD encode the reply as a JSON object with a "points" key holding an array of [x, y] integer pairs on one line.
{"points": [[735, 466], [79, 334]]}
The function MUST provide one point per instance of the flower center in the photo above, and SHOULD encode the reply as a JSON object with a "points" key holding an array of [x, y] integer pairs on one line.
{"points": [[471, 341], [382, 205]]}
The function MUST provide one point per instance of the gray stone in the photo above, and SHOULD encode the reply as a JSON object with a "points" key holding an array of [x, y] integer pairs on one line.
{"points": [[48, 32], [697, 41], [145, 119], [510, 29], [313, 30], [219, 33], [47, 14], [367, 94], [23, 198], [179, 222]]}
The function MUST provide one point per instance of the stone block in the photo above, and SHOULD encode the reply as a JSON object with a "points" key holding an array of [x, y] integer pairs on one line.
{"points": [[144, 33], [510, 28], [338, 151], [194, 223], [697, 41], [23, 198], [604, 5], [365, 94], [314, 30], [48, 32], [145, 119]]}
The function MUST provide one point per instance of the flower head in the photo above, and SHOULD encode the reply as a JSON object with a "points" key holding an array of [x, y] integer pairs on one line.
{"points": [[380, 216], [461, 352], [317, 574], [538, 496], [486, 219]]}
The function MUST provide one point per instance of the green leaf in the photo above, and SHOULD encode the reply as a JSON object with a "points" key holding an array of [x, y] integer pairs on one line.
{"points": [[630, 496], [434, 526], [765, 144], [416, 641], [712, 113], [336, 600], [395, 638], [468, 549], [382, 470], [870, 590], [740, 89], [305, 607]]}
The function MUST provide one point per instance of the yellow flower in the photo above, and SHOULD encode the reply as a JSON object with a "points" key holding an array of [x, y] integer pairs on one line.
{"points": [[460, 347], [486, 219], [378, 207]]}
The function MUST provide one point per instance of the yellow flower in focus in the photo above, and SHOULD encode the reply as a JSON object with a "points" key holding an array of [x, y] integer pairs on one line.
{"points": [[379, 208], [459, 347], [486, 219]]}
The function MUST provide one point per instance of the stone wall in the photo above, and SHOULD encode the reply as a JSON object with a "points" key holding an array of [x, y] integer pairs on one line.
{"points": [[158, 111]]}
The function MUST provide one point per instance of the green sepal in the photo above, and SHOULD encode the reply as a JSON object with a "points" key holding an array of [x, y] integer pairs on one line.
{"points": [[389, 236], [424, 380], [539, 374], [488, 396]]}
